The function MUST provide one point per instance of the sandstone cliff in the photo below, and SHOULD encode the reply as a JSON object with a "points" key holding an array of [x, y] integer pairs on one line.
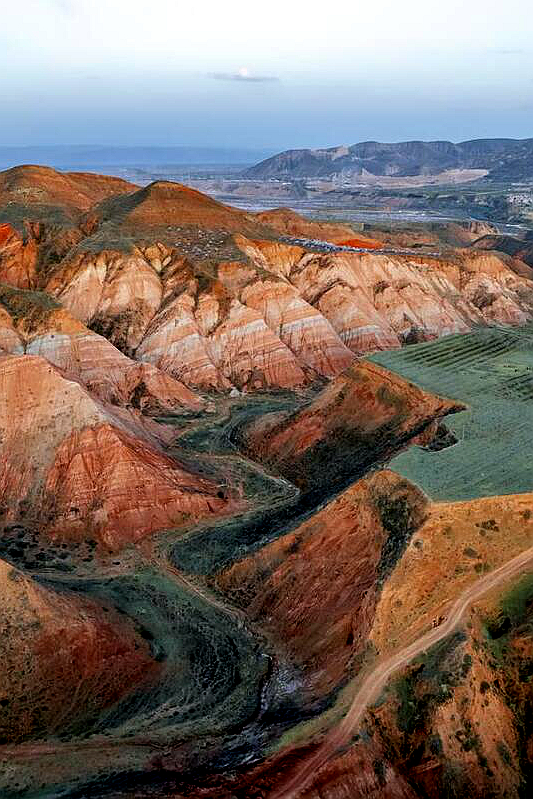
{"points": [[280, 316], [32, 323]]}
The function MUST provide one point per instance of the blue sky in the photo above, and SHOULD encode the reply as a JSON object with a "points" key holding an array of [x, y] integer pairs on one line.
{"points": [[277, 74]]}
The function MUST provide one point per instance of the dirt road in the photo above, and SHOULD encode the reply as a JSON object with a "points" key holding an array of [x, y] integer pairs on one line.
{"points": [[380, 675]]}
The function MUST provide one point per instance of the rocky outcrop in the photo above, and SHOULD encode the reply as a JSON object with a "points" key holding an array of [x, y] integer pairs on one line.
{"points": [[236, 328], [378, 301], [64, 660], [281, 316], [43, 215], [216, 297], [435, 725], [457, 720]]}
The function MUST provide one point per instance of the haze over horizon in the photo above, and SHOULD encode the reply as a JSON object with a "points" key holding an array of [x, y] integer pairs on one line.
{"points": [[120, 73]]}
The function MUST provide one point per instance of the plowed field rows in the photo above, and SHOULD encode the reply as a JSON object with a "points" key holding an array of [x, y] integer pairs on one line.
{"points": [[491, 370]]}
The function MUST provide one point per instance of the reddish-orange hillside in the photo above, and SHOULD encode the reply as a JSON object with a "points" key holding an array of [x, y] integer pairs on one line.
{"points": [[365, 413], [168, 203], [80, 469], [30, 185], [63, 658], [315, 588], [288, 222]]}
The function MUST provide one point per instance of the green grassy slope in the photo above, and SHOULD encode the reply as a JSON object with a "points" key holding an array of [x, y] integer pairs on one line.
{"points": [[491, 370]]}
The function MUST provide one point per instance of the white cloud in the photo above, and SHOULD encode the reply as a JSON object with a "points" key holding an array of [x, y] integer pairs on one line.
{"points": [[243, 74]]}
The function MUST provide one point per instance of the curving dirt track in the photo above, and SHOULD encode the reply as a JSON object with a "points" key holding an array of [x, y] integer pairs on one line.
{"points": [[378, 678]]}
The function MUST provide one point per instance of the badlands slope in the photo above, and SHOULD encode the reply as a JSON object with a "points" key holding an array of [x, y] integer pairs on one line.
{"points": [[219, 298], [72, 466], [202, 550]]}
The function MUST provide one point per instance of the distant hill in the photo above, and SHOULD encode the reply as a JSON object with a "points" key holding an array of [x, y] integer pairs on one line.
{"points": [[93, 156], [504, 159]]}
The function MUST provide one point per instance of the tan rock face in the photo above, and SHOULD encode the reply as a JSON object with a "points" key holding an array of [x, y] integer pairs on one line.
{"points": [[117, 294], [303, 329], [31, 322], [112, 376], [82, 467], [199, 332], [282, 317], [386, 298], [63, 658]]}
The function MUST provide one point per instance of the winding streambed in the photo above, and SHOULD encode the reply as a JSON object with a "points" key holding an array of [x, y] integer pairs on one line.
{"points": [[219, 677], [213, 667]]}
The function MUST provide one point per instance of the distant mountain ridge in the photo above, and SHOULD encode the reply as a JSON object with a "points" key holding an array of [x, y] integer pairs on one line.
{"points": [[504, 159]]}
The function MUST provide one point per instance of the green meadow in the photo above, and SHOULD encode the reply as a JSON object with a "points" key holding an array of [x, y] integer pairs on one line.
{"points": [[491, 371]]}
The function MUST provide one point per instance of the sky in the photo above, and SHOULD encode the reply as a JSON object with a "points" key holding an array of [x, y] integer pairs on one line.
{"points": [[279, 74]]}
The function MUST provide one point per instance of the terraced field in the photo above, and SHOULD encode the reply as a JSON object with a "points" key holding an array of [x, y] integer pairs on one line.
{"points": [[491, 370]]}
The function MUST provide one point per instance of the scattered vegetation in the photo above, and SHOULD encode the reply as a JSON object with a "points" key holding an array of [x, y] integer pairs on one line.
{"points": [[399, 522], [428, 683], [29, 308]]}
